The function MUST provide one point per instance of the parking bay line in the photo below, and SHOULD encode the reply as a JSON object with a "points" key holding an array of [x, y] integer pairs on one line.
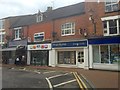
{"points": [[64, 83], [49, 72], [49, 83], [59, 75]]}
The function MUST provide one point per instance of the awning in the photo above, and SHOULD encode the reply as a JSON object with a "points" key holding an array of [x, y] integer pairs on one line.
{"points": [[8, 49]]}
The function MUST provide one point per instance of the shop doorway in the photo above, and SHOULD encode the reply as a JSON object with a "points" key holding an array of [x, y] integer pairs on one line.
{"points": [[40, 58], [80, 58]]}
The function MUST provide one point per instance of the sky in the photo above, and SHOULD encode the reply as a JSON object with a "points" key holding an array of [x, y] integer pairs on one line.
{"points": [[25, 7]]}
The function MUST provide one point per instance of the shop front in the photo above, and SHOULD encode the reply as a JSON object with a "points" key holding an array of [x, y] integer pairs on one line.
{"points": [[38, 54], [105, 53], [70, 54]]}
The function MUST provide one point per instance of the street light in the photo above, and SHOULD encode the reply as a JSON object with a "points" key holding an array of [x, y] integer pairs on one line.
{"points": [[91, 18]]}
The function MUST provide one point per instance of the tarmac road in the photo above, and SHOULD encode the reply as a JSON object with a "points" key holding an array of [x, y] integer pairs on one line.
{"points": [[13, 78], [21, 78]]}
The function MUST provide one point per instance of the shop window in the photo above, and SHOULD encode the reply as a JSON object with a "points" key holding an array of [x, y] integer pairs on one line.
{"points": [[38, 37], [114, 54], [96, 55], [109, 54], [104, 54], [66, 57]]}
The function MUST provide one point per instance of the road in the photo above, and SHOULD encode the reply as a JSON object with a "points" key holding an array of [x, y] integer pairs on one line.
{"points": [[24, 78]]}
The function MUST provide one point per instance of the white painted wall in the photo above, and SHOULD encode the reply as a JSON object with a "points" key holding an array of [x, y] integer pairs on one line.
{"points": [[106, 66], [90, 56], [86, 63], [52, 58], [28, 57]]}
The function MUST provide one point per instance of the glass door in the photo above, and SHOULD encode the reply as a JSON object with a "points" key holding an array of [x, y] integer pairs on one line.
{"points": [[80, 58]]}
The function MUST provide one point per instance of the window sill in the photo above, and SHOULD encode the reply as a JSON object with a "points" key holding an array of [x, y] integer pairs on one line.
{"points": [[17, 39], [68, 35]]}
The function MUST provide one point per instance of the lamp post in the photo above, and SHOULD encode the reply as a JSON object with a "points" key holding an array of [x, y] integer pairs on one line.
{"points": [[91, 18]]}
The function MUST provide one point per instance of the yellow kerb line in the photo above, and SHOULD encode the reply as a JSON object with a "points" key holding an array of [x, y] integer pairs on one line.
{"points": [[81, 81], [80, 85]]}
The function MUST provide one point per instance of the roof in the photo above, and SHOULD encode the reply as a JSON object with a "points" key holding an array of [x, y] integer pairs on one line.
{"points": [[23, 21], [76, 9], [72, 10]]}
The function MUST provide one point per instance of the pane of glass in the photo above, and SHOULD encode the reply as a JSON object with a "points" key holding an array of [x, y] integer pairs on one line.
{"points": [[96, 56], [104, 24], [0, 38], [108, 8], [114, 54], [3, 37], [113, 30], [104, 54], [115, 7], [112, 23]]}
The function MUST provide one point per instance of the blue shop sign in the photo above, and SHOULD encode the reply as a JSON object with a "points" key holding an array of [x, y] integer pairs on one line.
{"points": [[105, 40], [70, 44]]}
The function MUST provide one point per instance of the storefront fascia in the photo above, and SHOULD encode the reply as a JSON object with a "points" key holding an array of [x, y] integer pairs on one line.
{"points": [[70, 54], [104, 53], [38, 47]]}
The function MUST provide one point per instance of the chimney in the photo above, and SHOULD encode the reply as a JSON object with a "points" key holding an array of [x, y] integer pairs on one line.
{"points": [[49, 9]]}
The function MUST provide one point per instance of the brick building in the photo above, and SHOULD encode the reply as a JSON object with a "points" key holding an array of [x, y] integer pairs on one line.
{"points": [[84, 35]]}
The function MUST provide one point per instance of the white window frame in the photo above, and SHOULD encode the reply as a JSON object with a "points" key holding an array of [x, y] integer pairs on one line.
{"points": [[1, 24], [71, 28], [17, 36], [111, 3], [1, 39], [39, 18], [107, 20], [39, 34]]}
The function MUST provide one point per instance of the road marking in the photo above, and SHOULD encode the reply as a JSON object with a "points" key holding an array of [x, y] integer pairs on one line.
{"points": [[59, 75], [80, 85], [81, 80], [49, 83], [64, 83], [49, 72]]}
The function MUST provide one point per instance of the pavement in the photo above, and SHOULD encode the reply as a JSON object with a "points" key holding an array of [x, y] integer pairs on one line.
{"points": [[99, 79]]}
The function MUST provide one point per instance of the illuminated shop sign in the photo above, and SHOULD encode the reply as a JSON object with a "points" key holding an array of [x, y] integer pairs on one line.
{"points": [[39, 47], [70, 44]]}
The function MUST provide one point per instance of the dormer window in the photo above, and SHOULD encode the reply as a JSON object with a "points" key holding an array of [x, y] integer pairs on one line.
{"points": [[39, 17]]}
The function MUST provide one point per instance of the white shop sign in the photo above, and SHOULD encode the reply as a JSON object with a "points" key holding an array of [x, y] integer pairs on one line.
{"points": [[39, 47]]}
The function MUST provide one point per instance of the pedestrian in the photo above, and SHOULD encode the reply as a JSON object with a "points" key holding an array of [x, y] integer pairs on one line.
{"points": [[17, 61]]}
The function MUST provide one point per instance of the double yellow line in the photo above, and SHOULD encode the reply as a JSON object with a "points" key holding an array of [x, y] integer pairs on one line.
{"points": [[80, 81]]}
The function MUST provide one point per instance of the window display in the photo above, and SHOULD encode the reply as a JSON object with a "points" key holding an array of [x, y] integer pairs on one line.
{"points": [[66, 57], [109, 54]]}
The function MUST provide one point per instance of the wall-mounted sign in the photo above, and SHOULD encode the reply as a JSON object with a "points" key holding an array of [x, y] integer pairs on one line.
{"points": [[39, 47], [70, 44]]}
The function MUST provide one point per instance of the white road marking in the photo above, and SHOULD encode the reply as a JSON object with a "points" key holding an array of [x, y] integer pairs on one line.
{"points": [[64, 83], [59, 75], [49, 72], [49, 83]]}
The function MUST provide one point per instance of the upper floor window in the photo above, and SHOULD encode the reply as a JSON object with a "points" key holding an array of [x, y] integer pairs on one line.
{"points": [[111, 26], [2, 36], [1, 24], [68, 29], [111, 5], [17, 33], [39, 17], [39, 37]]}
